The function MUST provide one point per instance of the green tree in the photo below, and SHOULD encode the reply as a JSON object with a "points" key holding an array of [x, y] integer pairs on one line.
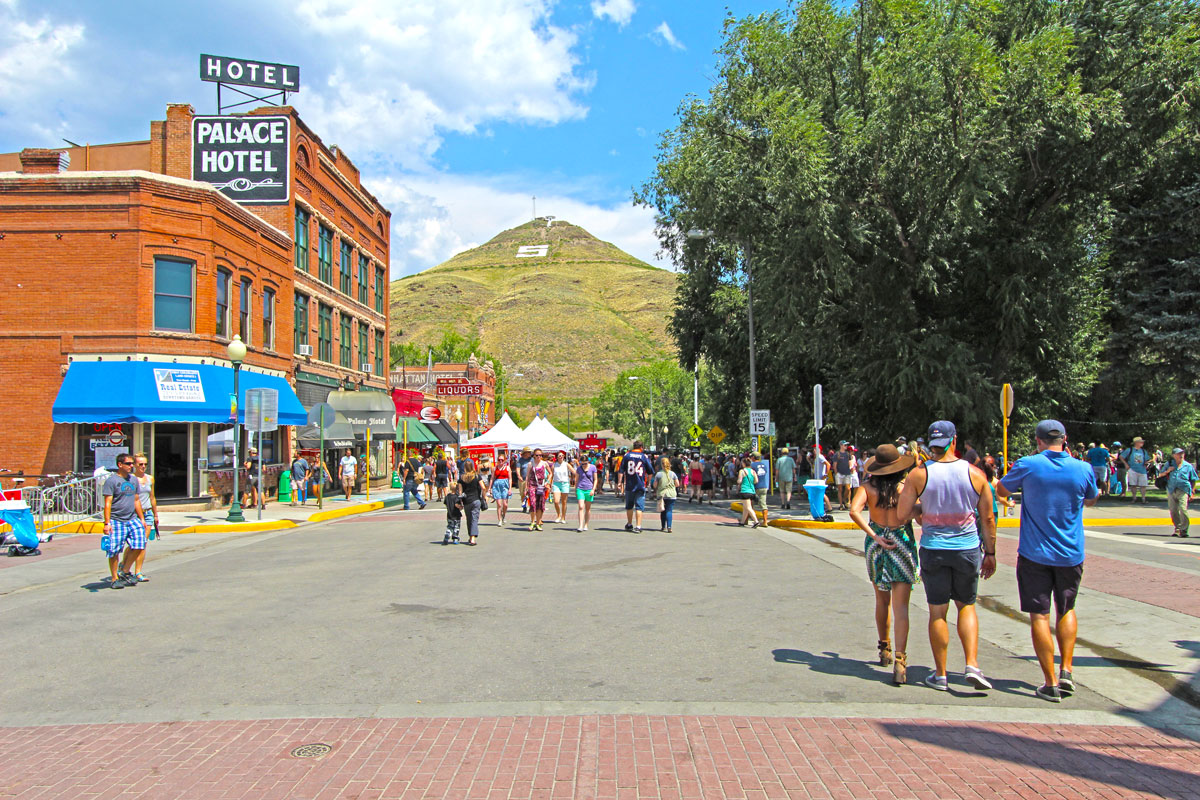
{"points": [[624, 405], [453, 348], [924, 192]]}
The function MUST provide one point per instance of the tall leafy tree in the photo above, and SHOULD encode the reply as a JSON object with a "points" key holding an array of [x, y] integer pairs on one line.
{"points": [[920, 195]]}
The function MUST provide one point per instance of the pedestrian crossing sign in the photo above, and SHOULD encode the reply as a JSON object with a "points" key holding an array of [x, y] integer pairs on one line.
{"points": [[694, 443], [716, 435], [695, 431]]}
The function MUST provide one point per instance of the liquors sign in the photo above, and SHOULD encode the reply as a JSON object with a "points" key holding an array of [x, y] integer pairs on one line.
{"points": [[248, 159]]}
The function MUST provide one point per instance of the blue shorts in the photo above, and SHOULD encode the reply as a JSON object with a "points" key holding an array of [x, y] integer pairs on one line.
{"points": [[126, 533], [501, 489], [562, 487], [635, 500]]}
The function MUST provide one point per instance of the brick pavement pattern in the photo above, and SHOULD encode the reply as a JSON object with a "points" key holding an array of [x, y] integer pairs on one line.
{"points": [[596, 757]]}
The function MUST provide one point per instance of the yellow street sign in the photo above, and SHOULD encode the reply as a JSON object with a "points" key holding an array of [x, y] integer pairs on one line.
{"points": [[694, 443], [695, 431], [716, 435], [1006, 400]]}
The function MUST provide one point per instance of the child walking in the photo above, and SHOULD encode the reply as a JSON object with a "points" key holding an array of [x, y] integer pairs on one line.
{"points": [[454, 514]]}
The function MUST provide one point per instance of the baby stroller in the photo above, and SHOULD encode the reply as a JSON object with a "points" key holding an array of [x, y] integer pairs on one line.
{"points": [[23, 540]]}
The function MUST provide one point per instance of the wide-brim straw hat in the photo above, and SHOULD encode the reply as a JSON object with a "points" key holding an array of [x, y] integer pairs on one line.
{"points": [[887, 459]]}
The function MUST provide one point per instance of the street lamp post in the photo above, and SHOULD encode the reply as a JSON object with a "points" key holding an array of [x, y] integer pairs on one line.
{"points": [[697, 233], [457, 421], [650, 384], [237, 354]]}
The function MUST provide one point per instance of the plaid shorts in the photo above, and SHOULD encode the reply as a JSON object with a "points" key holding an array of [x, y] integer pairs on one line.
{"points": [[131, 533]]}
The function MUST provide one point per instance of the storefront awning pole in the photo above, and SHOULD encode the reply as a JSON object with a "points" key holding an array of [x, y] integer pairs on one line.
{"points": [[405, 454], [321, 461], [368, 463]]}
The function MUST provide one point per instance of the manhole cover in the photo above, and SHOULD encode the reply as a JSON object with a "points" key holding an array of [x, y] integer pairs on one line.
{"points": [[311, 750]]}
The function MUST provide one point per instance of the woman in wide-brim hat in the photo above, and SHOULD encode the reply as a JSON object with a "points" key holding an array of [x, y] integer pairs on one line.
{"points": [[891, 551]]}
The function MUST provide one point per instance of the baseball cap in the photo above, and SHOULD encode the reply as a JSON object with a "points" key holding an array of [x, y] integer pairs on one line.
{"points": [[1049, 429], [941, 433], [1116, 444], [783, 450], [1178, 450], [842, 442]]}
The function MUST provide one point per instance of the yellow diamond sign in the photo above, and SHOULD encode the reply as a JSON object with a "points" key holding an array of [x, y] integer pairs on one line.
{"points": [[695, 431], [716, 435]]}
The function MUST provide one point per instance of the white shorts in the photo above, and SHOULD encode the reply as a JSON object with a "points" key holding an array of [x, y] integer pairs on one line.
{"points": [[1101, 474], [1137, 479], [844, 480]]}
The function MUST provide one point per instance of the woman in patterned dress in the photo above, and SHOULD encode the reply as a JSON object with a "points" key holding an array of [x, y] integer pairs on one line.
{"points": [[891, 551]]}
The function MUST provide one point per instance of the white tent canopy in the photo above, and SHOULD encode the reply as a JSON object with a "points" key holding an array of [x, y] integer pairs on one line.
{"points": [[540, 433], [504, 433]]}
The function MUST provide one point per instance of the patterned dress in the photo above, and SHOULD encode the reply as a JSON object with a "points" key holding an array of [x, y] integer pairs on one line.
{"points": [[898, 565]]}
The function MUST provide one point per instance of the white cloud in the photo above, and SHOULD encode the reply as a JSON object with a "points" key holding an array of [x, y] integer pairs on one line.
{"points": [[664, 34], [35, 65], [436, 215], [404, 73], [619, 11]]}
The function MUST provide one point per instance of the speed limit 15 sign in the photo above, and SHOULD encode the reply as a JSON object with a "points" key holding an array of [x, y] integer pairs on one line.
{"points": [[760, 422]]}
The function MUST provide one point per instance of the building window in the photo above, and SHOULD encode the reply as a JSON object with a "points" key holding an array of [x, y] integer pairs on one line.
{"points": [[364, 353], [344, 341], [324, 332], [268, 319], [380, 289], [172, 295], [300, 323], [363, 282], [223, 279], [325, 256], [346, 267], [244, 295], [301, 239], [379, 352]]}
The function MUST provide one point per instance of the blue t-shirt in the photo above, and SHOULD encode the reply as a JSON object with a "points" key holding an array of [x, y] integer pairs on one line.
{"points": [[762, 474], [637, 469], [1136, 458], [1054, 486], [1098, 456]]}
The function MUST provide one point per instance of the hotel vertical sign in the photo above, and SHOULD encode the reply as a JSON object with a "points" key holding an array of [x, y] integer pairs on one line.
{"points": [[246, 158]]}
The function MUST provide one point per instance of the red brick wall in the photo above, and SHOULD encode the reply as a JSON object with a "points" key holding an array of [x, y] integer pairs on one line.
{"points": [[77, 274]]}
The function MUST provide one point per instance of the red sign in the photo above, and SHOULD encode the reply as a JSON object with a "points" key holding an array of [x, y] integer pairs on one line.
{"points": [[593, 443], [430, 414], [460, 388], [408, 403], [116, 438]]}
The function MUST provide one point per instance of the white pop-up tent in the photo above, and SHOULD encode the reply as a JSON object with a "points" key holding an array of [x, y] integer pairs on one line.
{"points": [[540, 433], [503, 435]]}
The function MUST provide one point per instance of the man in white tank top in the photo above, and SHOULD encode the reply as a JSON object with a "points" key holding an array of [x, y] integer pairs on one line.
{"points": [[956, 522]]}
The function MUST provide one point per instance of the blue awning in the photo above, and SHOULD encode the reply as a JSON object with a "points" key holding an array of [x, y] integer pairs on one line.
{"points": [[149, 391]]}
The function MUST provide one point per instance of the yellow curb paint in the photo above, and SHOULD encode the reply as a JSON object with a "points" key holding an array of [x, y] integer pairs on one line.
{"points": [[240, 527], [334, 513]]}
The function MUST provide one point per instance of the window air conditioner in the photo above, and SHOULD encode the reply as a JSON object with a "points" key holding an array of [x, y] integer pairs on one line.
{"points": [[304, 350]]}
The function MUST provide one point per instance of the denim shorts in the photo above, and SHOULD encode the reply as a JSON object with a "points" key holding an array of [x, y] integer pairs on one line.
{"points": [[501, 489], [635, 500]]}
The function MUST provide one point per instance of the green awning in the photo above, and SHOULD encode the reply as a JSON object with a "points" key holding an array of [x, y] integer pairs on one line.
{"points": [[417, 432]]}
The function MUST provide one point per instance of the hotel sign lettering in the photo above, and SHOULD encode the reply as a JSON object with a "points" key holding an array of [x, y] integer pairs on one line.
{"points": [[246, 158], [221, 69]]}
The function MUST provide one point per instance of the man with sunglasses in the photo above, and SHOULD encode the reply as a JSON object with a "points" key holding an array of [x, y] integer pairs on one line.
{"points": [[124, 523]]}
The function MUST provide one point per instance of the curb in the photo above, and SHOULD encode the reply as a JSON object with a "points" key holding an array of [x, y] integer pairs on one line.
{"points": [[334, 513], [1003, 522], [238, 527]]}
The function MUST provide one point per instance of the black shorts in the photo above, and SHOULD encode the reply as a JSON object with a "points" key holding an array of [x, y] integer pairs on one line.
{"points": [[950, 575], [1038, 583], [705, 486], [442, 480]]}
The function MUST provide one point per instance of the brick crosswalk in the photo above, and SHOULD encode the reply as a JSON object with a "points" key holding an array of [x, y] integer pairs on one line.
{"points": [[596, 758]]}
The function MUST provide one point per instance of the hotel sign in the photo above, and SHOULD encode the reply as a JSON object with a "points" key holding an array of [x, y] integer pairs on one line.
{"points": [[260, 74], [246, 158]]}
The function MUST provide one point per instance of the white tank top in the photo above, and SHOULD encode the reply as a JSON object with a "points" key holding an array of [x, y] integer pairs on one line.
{"points": [[948, 506]]}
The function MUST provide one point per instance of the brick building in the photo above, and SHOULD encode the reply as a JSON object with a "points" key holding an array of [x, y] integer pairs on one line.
{"points": [[87, 241], [473, 413]]}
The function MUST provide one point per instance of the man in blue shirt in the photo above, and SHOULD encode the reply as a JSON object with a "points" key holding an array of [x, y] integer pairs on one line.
{"points": [[1098, 456], [1055, 488], [1135, 460], [1181, 482], [635, 474]]}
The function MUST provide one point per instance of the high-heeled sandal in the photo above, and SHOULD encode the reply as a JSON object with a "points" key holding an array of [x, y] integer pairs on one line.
{"points": [[900, 669], [885, 653]]}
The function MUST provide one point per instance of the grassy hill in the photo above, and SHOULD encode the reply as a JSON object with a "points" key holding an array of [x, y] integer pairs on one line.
{"points": [[570, 321]]}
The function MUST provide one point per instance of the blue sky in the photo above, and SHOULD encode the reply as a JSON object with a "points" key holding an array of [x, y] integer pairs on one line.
{"points": [[456, 111]]}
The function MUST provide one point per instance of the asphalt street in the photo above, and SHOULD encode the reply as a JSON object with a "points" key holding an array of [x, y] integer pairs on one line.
{"points": [[371, 614]]}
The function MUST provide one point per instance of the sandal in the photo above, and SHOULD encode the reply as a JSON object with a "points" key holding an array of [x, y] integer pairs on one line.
{"points": [[900, 669], [885, 653]]}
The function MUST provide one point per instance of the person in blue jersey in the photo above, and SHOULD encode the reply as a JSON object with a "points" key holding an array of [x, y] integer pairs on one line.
{"points": [[635, 474], [956, 518], [1054, 489], [1100, 459]]}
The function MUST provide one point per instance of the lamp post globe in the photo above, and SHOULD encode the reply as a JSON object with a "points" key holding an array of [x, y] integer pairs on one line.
{"points": [[236, 350]]}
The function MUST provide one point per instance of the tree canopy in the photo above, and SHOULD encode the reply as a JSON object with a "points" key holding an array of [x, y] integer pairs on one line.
{"points": [[935, 198]]}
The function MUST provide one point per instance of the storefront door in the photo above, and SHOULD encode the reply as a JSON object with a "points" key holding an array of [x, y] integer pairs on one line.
{"points": [[170, 460]]}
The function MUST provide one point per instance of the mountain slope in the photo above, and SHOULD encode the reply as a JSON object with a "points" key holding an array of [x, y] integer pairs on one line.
{"points": [[570, 320]]}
